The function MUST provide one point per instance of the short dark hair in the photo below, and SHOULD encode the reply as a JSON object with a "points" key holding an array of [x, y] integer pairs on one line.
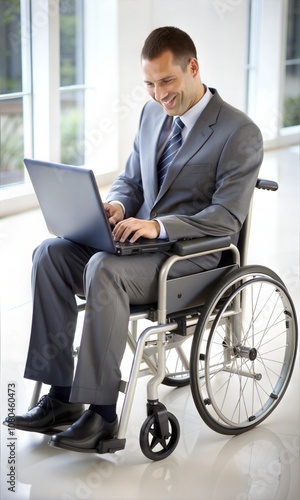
{"points": [[169, 38]]}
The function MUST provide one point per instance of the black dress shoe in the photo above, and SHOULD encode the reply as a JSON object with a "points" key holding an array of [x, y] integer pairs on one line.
{"points": [[46, 415], [85, 434]]}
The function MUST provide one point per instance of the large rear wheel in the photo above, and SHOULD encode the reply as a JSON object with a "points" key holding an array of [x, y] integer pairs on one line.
{"points": [[244, 350]]}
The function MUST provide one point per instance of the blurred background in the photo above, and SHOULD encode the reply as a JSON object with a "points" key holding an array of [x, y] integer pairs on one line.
{"points": [[71, 87]]}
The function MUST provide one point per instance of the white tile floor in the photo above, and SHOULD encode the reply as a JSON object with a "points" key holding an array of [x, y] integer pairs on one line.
{"points": [[262, 464]]}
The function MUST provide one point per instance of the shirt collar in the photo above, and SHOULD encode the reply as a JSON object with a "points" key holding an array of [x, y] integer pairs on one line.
{"points": [[191, 116]]}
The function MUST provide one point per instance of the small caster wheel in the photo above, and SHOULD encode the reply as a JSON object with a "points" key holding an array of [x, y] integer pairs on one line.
{"points": [[159, 435]]}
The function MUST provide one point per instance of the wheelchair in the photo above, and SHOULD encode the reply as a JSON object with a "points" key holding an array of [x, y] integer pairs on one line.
{"points": [[231, 333]]}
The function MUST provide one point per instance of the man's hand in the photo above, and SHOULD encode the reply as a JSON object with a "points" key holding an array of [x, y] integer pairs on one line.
{"points": [[136, 228], [114, 212]]}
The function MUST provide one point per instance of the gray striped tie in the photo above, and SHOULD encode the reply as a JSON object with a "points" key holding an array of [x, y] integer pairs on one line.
{"points": [[170, 150]]}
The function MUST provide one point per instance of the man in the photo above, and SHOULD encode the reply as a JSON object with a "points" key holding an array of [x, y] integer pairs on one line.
{"points": [[186, 179]]}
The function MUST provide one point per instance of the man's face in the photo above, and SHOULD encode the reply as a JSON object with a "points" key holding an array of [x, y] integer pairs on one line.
{"points": [[177, 90]]}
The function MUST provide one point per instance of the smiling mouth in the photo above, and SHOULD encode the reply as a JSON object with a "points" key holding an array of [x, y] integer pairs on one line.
{"points": [[169, 104]]}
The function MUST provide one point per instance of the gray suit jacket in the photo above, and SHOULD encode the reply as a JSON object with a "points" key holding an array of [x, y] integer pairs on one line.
{"points": [[209, 185]]}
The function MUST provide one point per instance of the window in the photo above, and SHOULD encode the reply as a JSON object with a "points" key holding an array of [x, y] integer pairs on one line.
{"points": [[291, 113], [52, 104], [12, 94], [274, 70], [15, 85]]}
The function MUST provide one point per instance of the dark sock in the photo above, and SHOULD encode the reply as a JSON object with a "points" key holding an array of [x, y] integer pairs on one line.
{"points": [[108, 412], [60, 393]]}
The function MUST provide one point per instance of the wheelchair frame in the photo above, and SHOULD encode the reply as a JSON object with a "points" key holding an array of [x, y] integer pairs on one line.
{"points": [[230, 337]]}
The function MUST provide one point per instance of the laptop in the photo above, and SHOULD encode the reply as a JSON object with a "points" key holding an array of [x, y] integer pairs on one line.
{"points": [[72, 208]]}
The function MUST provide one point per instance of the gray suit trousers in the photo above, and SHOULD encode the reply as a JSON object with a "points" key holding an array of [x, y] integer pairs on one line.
{"points": [[62, 269]]}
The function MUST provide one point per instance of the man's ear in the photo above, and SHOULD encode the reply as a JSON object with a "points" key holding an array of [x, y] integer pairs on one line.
{"points": [[194, 65]]}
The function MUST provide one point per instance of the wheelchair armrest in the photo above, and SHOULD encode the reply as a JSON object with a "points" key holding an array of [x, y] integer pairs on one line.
{"points": [[197, 245], [266, 184]]}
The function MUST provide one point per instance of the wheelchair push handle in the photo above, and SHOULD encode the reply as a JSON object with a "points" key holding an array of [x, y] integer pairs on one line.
{"points": [[266, 184]]}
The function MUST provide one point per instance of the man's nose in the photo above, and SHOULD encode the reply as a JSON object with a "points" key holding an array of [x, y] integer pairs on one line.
{"points": [[159, 93]]}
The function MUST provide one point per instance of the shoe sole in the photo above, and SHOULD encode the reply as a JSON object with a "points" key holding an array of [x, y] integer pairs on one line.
{"points": [[72, 448]]}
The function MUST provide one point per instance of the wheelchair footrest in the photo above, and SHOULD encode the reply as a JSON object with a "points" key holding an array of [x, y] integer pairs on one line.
{"points": [[111, 445]]}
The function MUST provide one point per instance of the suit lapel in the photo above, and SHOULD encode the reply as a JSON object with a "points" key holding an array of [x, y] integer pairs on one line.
{"points": [[195, 140], [150, 172]]}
